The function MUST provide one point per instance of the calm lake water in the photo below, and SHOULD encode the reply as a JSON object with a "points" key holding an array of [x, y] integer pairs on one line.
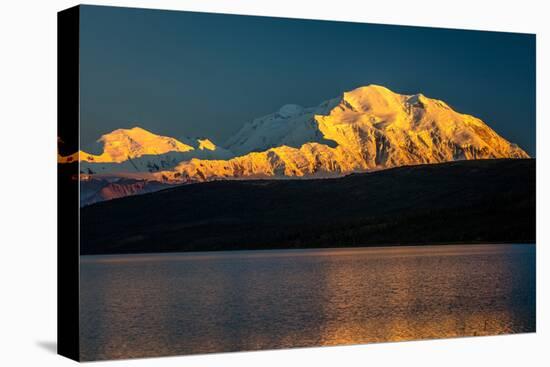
{"points": [[186, 303]]}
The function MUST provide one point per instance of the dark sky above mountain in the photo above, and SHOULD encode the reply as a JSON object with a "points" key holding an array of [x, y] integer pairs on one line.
{"points": [[194, 74]]}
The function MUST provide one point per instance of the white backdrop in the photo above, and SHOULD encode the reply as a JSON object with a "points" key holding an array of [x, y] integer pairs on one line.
{"points": [[28, 182]]}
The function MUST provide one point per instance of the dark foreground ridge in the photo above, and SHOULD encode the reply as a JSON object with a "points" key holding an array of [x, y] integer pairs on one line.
{"points": [[457, 202]]}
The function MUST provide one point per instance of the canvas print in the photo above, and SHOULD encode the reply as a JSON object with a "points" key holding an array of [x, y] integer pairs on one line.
{"points": [[238, 183]]}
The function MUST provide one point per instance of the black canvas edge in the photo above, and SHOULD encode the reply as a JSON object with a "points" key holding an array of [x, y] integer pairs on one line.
{"points": [[68, 249]]}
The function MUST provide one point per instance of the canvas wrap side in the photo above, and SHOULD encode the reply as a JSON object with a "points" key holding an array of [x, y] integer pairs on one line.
{"points": [[68, 183]]}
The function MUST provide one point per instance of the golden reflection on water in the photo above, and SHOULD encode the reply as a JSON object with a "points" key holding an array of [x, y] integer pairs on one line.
{"points": [[420, 310], [165, 304]]}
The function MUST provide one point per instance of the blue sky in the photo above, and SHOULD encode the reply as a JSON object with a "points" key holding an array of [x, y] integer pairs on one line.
{"points": [[197, 74]]}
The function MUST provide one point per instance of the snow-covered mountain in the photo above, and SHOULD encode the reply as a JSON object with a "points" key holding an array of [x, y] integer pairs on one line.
{"points": [[137, 150], [122, 144], [291, 125], [368, 128]]}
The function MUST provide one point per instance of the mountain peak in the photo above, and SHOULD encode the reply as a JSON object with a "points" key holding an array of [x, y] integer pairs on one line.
{"points": [[138, 128], [290, 110], [122, 144], [133, 131], [370, 89], [371, 98]]}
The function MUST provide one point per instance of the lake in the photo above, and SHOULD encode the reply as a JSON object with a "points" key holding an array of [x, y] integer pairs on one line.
{"points": [[187, 303]]}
